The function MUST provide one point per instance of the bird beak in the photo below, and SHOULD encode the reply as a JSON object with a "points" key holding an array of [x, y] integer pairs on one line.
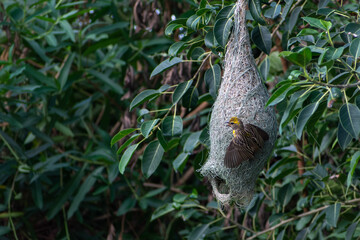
{"points": [[227, 124]]}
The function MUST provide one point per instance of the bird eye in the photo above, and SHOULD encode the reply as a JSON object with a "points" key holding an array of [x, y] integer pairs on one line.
{"points": [[231, 123]]}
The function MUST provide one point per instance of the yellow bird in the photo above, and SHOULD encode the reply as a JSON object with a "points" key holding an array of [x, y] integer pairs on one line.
{"points": [[248, 139]]}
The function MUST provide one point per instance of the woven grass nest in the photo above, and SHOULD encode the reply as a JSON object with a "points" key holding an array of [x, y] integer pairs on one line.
{"points": [[242, 94]]}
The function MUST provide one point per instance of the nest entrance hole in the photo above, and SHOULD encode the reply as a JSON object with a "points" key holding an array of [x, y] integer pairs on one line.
{"points": [[221, 186]]}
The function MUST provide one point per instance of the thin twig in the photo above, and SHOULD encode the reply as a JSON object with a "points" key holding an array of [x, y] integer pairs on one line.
{"points": [[185, 177], [155, 185], [299, 216], [335, 85]]}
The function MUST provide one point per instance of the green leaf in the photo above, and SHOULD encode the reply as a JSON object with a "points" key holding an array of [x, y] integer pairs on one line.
{"points": [[171, 27], [146, 127], [15, 12], [152, 158], [14, 145], [222, 29], [304, 116], [344, 138], [301, 224], [191, 142], [212, 79], [349, 115], [279, 94], [353, 164], [65, 193], [179, 162], [302, 234], [38, 50], [293, 18], [125, 158], [350, 231], [301, 58], [64, 72], [261, 36], [126, 206], [285, 194], [161, 139], [318, 23], [193, 22], [333, 53], [4, 230], [357, 101], [255, 10], [172, 126], [121, 134], [286, 9], [226, 12], [353, 28], [84, 189], [332, 214], [180, 90], [265, 68], [127, 143], [307, 31], [68, 29], [165, 65], [162, 210], [199, 232], [175, 48], [37, 194], [105, 79], [355, 48], [197, 53], [64, 129], [142, 97], [320, 172], [210, 40], [274, 11], [190, 98]]}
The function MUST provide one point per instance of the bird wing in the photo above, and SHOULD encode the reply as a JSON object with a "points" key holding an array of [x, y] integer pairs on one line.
{"points": [[236, 154], [261, 132], [256, 135]]}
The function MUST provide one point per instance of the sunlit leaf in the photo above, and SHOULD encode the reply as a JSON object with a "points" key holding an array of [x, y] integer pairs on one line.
{"points": [[318, 23]]}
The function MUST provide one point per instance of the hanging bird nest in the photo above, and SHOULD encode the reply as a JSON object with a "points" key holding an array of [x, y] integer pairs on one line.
{"points": [[242, 94]]}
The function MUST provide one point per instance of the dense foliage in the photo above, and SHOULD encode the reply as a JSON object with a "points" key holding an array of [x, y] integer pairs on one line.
{"points": [[104, 112]]}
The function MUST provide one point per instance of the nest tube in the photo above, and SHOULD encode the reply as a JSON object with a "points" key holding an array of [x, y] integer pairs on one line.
{"points": [[241, 94]]}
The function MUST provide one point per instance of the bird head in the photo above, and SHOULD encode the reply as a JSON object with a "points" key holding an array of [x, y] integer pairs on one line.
{"points": [[234, 123]]}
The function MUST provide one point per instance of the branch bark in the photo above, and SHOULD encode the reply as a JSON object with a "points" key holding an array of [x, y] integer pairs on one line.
{"points": [[299, 216]]}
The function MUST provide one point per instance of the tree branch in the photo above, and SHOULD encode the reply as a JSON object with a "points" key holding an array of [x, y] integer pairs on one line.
{"points": [[299, 216], [335, 85]]}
